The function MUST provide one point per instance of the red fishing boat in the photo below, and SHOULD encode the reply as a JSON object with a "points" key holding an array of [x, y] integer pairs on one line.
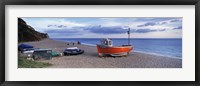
{"points": [[106, 48]]}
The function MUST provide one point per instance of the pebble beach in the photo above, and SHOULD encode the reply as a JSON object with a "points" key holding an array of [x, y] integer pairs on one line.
{"points": [[90, 59]]}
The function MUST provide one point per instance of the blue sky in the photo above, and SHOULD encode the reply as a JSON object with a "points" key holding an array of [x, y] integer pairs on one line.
{"points": [[157, 27]]}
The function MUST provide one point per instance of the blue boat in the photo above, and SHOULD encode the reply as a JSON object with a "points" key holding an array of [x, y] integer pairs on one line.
{"points": [[21, 47]]}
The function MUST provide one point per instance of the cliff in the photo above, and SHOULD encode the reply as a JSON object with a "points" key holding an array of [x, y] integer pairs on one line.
{"points": [[26, 33]]}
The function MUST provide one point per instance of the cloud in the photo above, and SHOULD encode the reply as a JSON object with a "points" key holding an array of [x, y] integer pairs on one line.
{"points": [[163, 23], [66, 24], [65, 30], [157, 22], [57, 26], [119, 30], [176, 20], [144, 30], [162, 29], [147, 24], [89, 27], [49, 25], [153, 19], [61, 31], [106, 30], [179, 27], [152, 24]]}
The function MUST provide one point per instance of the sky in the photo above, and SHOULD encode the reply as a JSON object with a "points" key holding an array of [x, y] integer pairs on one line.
{"points": [[103, 27]]}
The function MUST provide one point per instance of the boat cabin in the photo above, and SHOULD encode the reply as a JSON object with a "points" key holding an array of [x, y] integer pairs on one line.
{"points": [[106, 42]]}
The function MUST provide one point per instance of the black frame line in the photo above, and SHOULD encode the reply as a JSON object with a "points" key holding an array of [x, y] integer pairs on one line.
{"points": [[3, 3]]}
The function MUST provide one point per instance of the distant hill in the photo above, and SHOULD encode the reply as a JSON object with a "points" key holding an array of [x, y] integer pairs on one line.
{"points": [[26, 33]]}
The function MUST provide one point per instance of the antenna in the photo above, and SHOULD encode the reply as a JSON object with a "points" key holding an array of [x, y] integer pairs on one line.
{"points": [[128, 35]]}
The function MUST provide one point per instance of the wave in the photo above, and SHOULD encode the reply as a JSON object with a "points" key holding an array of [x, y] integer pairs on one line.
{"points": [[88, 44], [150, 53]]}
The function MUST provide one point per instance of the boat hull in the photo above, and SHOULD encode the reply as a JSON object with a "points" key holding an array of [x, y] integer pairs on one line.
{"points": [[121, 50]]}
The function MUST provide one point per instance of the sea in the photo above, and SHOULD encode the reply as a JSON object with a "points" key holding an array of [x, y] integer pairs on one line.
{"points": [[168, 47]]}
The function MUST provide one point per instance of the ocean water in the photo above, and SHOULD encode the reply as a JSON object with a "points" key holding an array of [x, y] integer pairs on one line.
{"points": [[159, 46]]}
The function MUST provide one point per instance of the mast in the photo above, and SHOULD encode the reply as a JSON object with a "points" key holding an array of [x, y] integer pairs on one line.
{"points": [[128, 36]]}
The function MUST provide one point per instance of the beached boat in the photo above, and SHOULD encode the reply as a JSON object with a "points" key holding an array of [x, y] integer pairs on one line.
{"points": [[73, 51], [106, 48]]}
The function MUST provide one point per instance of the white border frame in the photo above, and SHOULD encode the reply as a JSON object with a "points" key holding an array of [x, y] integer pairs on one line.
{"points": [[187, 73]]}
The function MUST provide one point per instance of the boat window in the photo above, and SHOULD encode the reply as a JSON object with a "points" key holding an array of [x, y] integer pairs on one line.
{"points": [[106, 43], [110, 42]]}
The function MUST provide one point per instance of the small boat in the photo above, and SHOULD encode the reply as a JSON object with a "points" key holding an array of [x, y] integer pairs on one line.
{"points": [[106, 48], [73, 51]]}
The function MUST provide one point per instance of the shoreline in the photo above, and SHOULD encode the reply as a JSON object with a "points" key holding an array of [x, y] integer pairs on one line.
{"points": [[90, 58], [149, 53], [165, 56]]}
